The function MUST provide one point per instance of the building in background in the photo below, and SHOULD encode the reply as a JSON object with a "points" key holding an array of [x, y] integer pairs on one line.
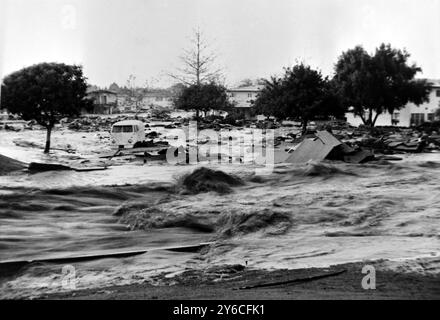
{"points": [[4, 114], [104, 101], [243, 97], [143, 100], [159, 98], [410, 115]]}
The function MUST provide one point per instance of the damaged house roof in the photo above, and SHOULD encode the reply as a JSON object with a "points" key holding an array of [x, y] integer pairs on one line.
{"points": [[325, 146], [317, 148]]}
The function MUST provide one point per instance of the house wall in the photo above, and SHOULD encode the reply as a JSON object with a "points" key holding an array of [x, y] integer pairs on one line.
{"points": [[126, 104], [103, 103], [4, 114], [403, 116], [103, 98], [426, 109], [382, 120], [242, 98], [102, 109], [111, 98], [165, 102]]}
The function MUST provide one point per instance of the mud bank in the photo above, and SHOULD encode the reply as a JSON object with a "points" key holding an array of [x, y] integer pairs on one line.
{"points": [[229, 283]]}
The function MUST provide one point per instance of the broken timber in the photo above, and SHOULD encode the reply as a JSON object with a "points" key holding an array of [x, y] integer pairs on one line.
{"points": [[298, 280], [41, 167], [325, 146]]}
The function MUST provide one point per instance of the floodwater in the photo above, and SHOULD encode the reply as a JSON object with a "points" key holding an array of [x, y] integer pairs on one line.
{"points": [[316, 214]]}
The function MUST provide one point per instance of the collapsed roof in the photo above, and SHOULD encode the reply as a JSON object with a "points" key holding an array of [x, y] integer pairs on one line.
{"points": [[325, 146]]}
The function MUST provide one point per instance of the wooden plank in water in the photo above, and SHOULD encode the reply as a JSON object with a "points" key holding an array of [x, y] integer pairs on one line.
{"points": [[299, 280], [81, 169], [13, 265]]}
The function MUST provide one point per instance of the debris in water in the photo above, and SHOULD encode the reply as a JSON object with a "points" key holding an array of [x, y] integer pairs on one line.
{"points": [[300, 280], [35, 166], [271, 222], [325, 146], [205, 180], [40, 167]]}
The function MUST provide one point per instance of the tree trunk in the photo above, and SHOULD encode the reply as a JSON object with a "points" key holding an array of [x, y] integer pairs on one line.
{"points": [[363, 119], [47, 148], [197, 114], [375, 119], [370, 118], [304, 127]]}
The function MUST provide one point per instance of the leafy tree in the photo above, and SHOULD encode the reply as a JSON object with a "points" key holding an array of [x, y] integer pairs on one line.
{"points": [[302, 94], [203, 97], [176, 89], [437, 113], [245, 83], [45, 92], [251, 82], [114, 87], [374, 84]]}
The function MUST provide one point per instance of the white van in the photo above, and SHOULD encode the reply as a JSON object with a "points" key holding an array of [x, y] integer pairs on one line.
{"points": [[126, 133]]}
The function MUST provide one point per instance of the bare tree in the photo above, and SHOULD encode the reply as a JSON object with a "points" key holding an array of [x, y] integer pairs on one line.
{"points": [[136, 94], [198, 63], [131, 84], [151, 83]]}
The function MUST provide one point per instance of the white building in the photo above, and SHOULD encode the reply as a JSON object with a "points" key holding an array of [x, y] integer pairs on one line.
{"points": [[243, 97], [104, 101], [410, 115], [3, 114], [158, 98]]}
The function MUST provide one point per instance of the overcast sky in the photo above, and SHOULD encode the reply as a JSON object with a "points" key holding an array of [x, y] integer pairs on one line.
{"points": [[253, 38]]}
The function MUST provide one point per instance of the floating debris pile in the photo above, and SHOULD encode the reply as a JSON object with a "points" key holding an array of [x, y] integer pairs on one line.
{"points": [[397, 141], [205, 180], [325, 146]]}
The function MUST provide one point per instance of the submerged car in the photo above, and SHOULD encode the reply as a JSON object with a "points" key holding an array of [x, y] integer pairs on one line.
{"points": [[125, 134]]}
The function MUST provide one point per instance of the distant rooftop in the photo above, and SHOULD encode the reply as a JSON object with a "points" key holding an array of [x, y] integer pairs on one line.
{"points": [[435, 82], [247, 88], [101, 91], [159, 93]]}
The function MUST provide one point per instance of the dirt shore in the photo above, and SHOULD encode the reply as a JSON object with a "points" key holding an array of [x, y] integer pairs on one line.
{"points": [[231, 283]]}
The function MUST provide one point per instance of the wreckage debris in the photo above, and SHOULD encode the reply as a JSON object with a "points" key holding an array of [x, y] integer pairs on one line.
{"points": [[316, 149], [360, 156], [205, 180], [321, 169], [294, 281], [152, 135], [325, 146], [35, 166], [41, 167], [150, 144]]}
